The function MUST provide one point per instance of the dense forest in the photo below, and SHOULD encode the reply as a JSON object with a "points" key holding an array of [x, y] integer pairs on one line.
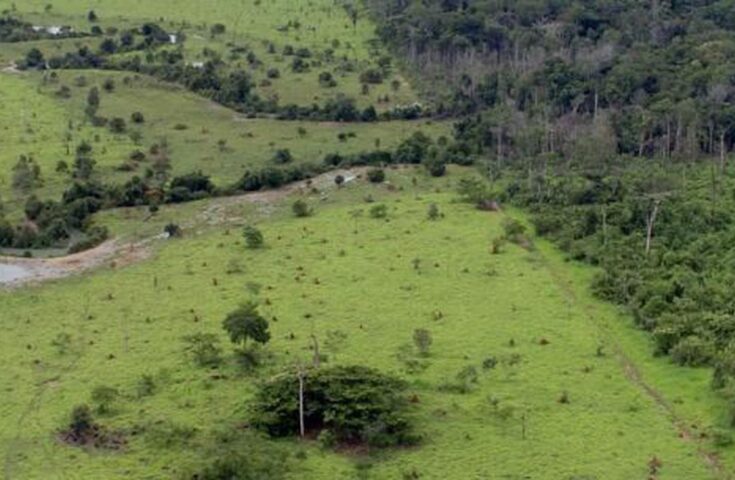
{"points": [[644, 78]]}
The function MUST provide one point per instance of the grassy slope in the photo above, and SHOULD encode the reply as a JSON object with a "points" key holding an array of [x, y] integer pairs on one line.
{"points": [[248, 24], [43, 131], [610, 428]]}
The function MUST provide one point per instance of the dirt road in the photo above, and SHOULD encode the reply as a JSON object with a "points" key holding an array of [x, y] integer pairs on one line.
{"points": [[116, 253]]}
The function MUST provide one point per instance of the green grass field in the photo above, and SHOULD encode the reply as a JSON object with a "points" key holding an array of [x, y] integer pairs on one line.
{"points": [[322, 25], [374, 281], [36, 122], [567, 388]]}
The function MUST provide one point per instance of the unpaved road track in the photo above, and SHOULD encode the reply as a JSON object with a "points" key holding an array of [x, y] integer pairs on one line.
{"points": [[119, 253]]}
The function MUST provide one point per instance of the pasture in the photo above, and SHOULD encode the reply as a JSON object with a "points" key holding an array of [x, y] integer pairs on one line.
{"points": [[552, 394]]}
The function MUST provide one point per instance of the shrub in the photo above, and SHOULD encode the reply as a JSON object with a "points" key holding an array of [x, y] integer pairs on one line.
{"points": [[81, 421], [283, 156], [301, 209], [436, 167], [356, 404], [379, 211], [239, 455], [371, 75], [117, 125], [104, 397], [433, 213], [137, 117], [692, 351], [326, 80], [172, 230], [423, 340], [376, 175], [253, 237], [204, 349]]}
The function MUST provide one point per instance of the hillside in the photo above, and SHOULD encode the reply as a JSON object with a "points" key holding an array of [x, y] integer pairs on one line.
{"points": [[375, 239]]}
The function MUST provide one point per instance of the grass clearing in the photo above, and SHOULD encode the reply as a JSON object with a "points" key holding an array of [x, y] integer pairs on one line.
{"points": [[319, 25], [374, 281], [192, 126]]}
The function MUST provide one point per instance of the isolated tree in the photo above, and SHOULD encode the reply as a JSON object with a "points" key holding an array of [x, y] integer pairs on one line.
{"points": [[137, 117], [245, 323], [92, 16], [339, 180], [253, 237]]}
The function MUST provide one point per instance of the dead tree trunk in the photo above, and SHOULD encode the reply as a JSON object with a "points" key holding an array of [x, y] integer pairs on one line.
{"points": [[650, 223], [301, 402]]}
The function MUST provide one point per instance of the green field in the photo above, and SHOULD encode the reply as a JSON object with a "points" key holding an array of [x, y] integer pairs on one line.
{"points": [[36, 122], [323, 25], [528, 309], [529, 376]]}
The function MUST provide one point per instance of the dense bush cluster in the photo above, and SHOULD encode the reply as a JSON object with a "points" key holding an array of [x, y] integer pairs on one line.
{"points": [[350, 404], [663, 246]]}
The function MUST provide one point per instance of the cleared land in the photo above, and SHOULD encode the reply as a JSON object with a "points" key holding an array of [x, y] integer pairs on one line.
{"points": [[38, 123], [366, 284]]}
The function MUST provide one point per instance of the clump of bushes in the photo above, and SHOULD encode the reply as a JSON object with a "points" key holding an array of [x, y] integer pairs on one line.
{"points": [[355, 404]]}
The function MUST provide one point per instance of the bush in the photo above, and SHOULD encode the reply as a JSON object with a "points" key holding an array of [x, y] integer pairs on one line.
{"points": [[301, 209], [117, 125], [283, 156], [239, 455], [379, 211], [436, 167], [433, 213], [104, 397], [356, 404], [253, 237], [423, 340], [692, 351], [137, 117], [376, 175], [172, 230], [204, 349], [371, 75]]}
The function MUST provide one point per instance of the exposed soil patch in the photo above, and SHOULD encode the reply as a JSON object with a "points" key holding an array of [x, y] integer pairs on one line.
{"points": [[17, 272]]}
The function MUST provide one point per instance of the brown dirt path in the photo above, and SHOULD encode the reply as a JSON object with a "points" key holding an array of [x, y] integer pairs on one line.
{"points": [[120, 253]]}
